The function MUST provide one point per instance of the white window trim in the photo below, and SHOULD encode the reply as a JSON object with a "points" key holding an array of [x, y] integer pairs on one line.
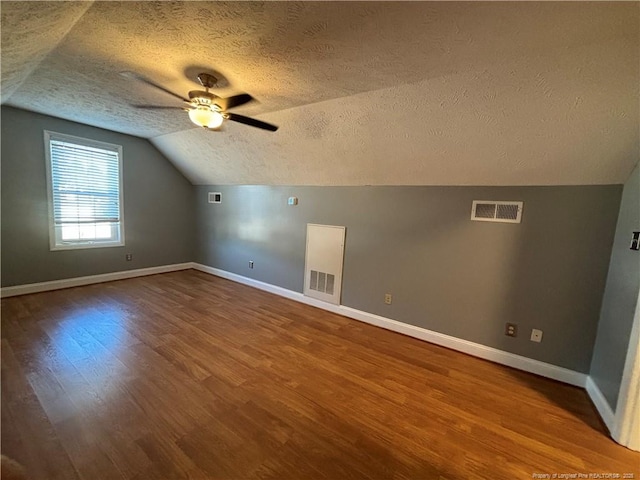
{"points": [[48, 136]]}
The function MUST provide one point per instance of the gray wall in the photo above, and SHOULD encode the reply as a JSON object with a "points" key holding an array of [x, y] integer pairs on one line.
{"points": [[620, 297], [446, 273], [158, 206]]}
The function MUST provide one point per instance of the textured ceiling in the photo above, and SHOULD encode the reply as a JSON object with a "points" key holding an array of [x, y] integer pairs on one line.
{"points": [[379, 93]]}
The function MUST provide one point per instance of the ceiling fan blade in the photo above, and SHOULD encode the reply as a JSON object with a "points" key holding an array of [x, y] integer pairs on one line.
{"points": [[139, 77], [158, 107], [251, 121], [234, 101]]}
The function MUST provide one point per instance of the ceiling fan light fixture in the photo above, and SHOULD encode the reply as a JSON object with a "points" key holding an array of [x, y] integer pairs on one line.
{"points": [[205, 116], [206, 109]]}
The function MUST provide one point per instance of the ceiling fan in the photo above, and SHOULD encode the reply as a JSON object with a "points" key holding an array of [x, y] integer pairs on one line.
{"points": [[206, 109]]}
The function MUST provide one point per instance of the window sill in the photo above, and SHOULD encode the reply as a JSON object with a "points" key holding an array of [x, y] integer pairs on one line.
{"points": [[83, 246]]}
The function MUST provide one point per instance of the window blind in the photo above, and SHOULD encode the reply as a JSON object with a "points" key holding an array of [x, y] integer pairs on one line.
{"points": [[85, 184]]}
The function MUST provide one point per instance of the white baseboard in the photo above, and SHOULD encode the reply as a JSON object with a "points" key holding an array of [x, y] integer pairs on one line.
{"points": [[477, 350], [603, 407], [79, 281]]}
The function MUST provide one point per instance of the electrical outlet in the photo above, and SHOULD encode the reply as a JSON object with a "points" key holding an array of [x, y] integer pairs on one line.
{"points": [[387, 298], [129, 257], [250, 263], [536, 335], [511, 330]]}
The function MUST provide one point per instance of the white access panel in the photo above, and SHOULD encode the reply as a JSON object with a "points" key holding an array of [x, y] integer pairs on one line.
{"points": [[323, 262]]}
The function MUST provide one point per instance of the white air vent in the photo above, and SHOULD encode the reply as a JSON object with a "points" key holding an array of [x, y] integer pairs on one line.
{"points": [[215, 197], [492, 211], [322, 282]]}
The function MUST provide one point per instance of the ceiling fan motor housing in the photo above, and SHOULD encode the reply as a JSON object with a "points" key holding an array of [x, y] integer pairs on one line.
{"points": [[198, 97]]}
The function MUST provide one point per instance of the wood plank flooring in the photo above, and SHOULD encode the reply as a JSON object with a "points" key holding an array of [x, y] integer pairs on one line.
{"points": [[185, 375]]}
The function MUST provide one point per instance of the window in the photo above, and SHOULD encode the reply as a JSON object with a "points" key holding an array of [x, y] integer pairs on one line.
{"points": [[84, 180]]}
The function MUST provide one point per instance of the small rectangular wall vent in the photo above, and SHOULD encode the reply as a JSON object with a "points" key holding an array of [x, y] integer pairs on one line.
{"points": [[496, 211], [322, 282], [215, 197]]}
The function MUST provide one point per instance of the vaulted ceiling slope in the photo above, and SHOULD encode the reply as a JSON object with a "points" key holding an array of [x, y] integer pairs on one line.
{"points": [[365, 93]]}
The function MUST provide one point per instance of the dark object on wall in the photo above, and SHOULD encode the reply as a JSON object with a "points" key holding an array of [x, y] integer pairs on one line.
{"points": [[635, 242]]}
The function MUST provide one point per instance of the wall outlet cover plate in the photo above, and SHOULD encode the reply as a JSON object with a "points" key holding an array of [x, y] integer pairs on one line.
{"points": [[536, 335]]}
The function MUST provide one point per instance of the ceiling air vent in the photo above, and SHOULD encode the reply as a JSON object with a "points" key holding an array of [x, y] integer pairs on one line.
{"points": [[492, 211], [215, 197]]}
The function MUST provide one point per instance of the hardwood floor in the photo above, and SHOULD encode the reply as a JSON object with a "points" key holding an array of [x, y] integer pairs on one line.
{"points": [[185, 375]]}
